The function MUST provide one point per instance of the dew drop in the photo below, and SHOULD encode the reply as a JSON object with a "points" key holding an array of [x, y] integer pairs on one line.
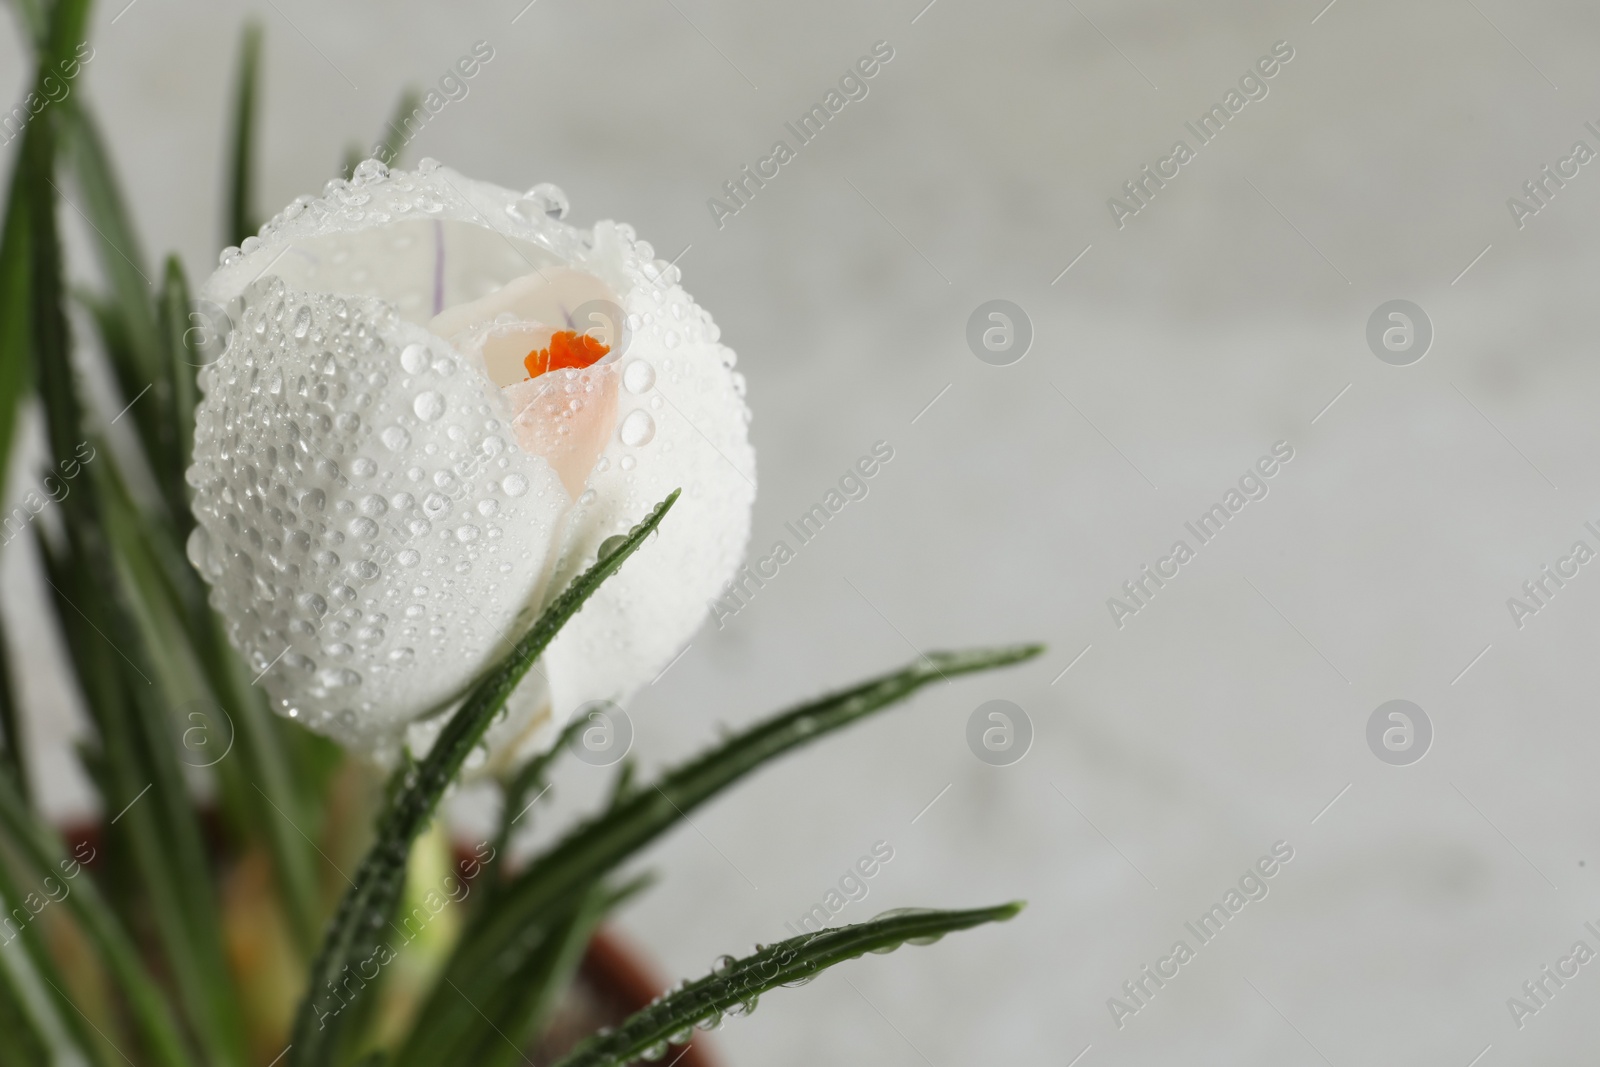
{"points": [[467, 534], [637, 429], [395, 438], [338, 678], [514, 485], [414, 358], [544, 199], [638, 376], [428, 405]]}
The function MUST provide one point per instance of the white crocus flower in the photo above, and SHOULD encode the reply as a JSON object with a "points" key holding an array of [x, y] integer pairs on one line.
{"points": [[436, 401]]}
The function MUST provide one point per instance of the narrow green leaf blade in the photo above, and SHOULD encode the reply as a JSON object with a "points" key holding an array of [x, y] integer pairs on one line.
{"points": [[159, 821], [15, 321], [531, 776], [488, 950], [182, 367], [795, 960], [396, 135], [101, 205], [59, 30], [265, 783], [116, 949], [241, 219], [51, 349], [23, 1034], [16, 763], [353, 934], [36, 987]]}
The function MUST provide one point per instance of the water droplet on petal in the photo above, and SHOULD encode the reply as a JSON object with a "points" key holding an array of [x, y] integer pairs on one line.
{"points": [[638, 376], [637, 429], [544, 199], [395, 438], [338, 678], [414, 358], [428, 405], [514, 485]]}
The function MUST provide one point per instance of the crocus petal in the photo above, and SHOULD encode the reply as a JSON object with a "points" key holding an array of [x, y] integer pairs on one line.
{"points": [[380, 511]]}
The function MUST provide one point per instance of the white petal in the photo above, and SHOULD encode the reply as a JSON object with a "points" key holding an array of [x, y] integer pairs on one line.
{"points": [[354, 415], [368, 524], [681, 424]]}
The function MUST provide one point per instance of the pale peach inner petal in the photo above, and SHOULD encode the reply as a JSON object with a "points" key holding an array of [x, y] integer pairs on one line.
{"points": [[566, 416]]}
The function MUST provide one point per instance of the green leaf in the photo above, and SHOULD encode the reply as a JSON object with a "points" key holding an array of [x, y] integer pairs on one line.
{"points": [[495, 1028], [524, 1006], [159, 819], [735, 986], [100, 205], [241, 219], [393, 143], [16, 763], [34, 985], [531, 776], [263, 779], [352, 936], [147, 1006], [489, 949], [135, 733], [182, 365], [58, 31], [15, 323], [23, 1035]]}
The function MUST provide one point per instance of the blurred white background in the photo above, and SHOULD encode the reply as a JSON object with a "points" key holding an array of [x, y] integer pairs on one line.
{"points": [[1223, 318]]}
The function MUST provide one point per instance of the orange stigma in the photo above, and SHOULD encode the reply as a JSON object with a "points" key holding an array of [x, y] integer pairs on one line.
{"points": [[568, 348]]}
